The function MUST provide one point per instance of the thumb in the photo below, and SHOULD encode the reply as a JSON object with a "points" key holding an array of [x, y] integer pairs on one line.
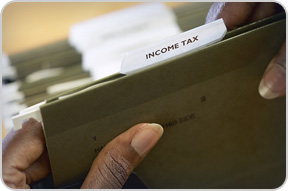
{"points": [[273, 83], [118, 158]]}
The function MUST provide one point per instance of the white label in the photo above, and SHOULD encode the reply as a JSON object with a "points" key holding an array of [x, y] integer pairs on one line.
{"points": [[43, 74], [106, 60], [120, 25], [65, 86], [173, 47]]}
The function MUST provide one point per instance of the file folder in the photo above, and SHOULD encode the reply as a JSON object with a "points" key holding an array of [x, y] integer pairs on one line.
{"points": [[218, 131], [49, 56]]}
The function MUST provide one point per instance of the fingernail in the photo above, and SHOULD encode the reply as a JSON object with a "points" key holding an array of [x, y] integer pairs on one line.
{"points": [[273, 83], [146, 138]]}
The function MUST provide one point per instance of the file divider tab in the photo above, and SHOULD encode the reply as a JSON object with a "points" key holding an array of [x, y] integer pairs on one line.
{"points": [[173, 47]]}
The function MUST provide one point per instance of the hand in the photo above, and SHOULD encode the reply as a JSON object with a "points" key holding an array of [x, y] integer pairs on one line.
{"points": [[273, 83], [25, 159]]}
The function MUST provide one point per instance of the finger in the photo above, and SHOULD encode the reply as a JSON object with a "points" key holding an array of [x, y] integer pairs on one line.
{"points": [[20, 149], [264, 10], [117, 160], [233, 14], [237, 14], [273, 83], [39, 169]]}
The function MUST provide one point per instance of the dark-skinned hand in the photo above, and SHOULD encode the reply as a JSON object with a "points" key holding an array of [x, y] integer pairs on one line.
{"points": [[273, 82], [25, 159]]}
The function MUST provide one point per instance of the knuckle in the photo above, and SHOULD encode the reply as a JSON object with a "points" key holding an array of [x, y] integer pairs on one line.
{"points": [[280, 57], [281, 61], [13, 178], [117, 169]]}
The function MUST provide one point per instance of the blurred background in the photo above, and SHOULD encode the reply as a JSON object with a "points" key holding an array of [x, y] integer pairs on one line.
{"points": [[32, 24], [49, 47]]}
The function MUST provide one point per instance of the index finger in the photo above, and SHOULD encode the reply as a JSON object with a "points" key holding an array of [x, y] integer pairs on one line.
{"points": [[24, 156], [238, 14], [22, 147], [233, 14]]}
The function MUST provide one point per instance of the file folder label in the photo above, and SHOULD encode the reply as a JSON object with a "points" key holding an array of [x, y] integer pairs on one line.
{"points": [[173, 47], [142, 21]]}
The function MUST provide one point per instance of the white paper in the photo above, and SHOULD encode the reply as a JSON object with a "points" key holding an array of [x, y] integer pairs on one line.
{"points": [[121, 24]]}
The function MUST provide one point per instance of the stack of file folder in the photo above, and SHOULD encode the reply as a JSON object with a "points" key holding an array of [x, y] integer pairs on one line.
{"points": [[43, 72], [126, 30], [30, 77]]}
